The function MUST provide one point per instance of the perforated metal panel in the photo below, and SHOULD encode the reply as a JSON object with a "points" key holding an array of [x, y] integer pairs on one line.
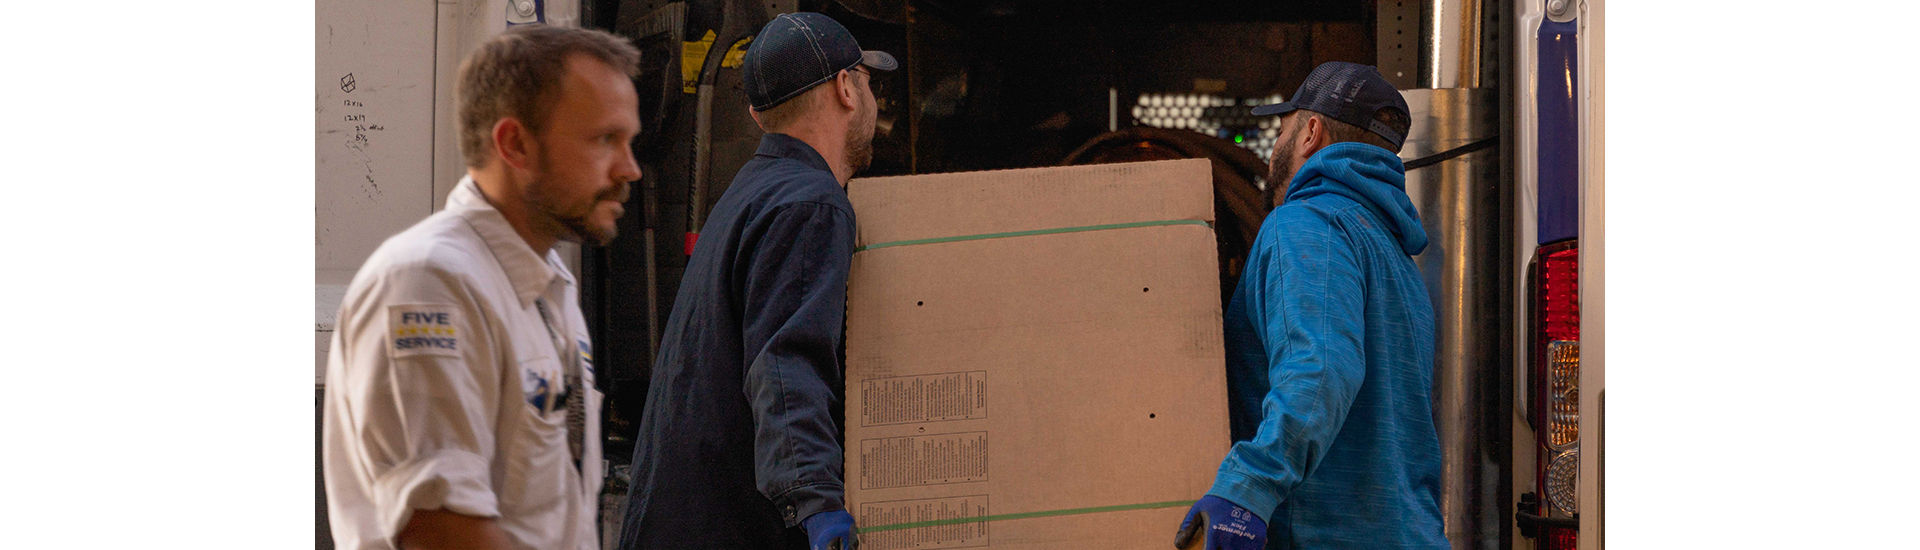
{"points": [[1397, 41], [1217, 116]]}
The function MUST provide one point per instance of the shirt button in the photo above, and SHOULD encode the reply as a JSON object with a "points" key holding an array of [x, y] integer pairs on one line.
{"points": [[790, 512]]}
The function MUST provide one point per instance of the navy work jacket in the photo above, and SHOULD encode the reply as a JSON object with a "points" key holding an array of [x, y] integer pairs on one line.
{"points": [[740, 438]]}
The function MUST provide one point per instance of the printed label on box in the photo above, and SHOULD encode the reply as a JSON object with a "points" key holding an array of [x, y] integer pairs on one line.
{"points": [[962, 534], [924, 398], [923, 460]]}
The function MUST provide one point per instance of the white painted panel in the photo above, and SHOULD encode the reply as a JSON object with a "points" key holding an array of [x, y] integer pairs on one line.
{"points": [[326, 305], [326, 312], [321, 339], [373, 127], [386, 146]]}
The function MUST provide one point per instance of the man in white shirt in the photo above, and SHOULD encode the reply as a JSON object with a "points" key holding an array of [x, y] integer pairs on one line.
{"points": [[460, 405]]}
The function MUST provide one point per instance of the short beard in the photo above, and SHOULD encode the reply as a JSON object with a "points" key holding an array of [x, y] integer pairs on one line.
{"points": [[577, 227], [859, 153], [1279, 174], [584, 233]]}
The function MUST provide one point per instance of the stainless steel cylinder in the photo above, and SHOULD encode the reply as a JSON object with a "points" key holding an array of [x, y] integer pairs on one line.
{"points": [[1450, 44], [1464, 267]]}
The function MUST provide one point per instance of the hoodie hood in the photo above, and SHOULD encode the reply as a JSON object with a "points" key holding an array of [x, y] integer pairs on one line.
{"points": [[1369, 175]]}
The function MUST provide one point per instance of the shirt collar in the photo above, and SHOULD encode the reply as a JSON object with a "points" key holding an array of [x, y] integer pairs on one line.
{"points": [[530, 275], [789, 147]]}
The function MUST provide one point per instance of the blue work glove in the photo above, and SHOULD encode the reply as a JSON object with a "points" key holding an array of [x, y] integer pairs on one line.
{"points": [[1219, 524], [831, 530]]}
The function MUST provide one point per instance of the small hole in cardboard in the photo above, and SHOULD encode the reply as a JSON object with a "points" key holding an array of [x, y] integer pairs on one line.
{"points": [[919, 303], [1143, 289], [1150, 415]]}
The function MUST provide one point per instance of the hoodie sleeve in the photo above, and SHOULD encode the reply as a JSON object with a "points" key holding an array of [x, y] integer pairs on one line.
{"points": [[795, 309], [1307, 306]]}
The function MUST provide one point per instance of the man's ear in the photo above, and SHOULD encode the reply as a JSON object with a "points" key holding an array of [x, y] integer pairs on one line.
{"points": [[1313, 136], [755, 115], [844, 90], [513, 143]]}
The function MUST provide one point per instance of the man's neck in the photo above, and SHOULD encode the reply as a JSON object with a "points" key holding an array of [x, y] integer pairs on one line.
{"points": [[830, 144], [497, 191]]}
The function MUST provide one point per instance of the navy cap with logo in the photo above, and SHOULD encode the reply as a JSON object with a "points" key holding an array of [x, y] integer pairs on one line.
{"points": [[1347, 92], [797, 51]]}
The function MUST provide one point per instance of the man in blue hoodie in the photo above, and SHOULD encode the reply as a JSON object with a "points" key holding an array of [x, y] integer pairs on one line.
{"points": [[1330, 341]]}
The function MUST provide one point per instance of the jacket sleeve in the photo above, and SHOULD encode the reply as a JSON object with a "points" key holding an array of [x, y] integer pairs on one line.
{"points": [[1308, 308], [795, 294], [422, 393]]}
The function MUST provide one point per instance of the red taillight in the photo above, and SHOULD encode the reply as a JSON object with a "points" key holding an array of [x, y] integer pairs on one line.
{"points": [[1555, 538], [1554, 295], [1558, 289]]}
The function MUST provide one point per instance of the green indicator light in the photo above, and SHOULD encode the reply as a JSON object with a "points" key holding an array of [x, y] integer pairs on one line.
{"points": [[1239, 139]]}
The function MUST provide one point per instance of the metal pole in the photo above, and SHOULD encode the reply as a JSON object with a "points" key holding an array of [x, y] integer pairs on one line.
{"points": [[702, 153], [1450, 44], [1459, 201], [1113, 109]]}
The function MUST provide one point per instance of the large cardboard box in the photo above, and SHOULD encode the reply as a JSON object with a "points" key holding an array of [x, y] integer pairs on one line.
{"points": [[1034, 357]]}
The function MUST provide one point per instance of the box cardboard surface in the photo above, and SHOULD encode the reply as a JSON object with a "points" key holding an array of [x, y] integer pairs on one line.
{"points": [[1034, 357]]}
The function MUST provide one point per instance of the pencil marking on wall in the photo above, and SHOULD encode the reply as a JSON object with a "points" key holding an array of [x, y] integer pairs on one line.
{"points": [[360, 142]]}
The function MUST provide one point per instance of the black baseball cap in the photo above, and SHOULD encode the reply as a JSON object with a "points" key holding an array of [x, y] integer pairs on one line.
{"points": [[1347, 92], [797, 51]]}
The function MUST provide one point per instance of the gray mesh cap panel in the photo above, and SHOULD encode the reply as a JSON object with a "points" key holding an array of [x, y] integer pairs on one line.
{"points": [[1347, 92]]}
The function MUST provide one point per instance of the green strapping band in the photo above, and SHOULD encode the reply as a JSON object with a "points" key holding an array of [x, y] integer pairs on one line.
{"points": [[1028, 515], [1032, 232]]}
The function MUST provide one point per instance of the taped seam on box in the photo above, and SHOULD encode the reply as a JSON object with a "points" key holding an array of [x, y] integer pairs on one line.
{"points": [[1028, 515], [1052, 231]]}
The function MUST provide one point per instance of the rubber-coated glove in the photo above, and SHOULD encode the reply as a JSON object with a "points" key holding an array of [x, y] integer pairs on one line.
{"points": [[1219, 524], [831, 530]]}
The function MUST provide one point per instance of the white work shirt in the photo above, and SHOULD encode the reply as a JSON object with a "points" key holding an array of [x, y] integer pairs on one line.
{"points": [[446, 390]]}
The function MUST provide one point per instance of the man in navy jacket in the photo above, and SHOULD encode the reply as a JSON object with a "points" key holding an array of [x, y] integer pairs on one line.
{"points": [[739, 445]]}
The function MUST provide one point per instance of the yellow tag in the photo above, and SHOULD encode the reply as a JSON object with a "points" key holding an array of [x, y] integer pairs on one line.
{"points": [[693, 56], [736, 55]]}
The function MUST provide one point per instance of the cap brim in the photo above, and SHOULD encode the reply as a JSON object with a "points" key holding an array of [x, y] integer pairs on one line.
{"points": [[1274, 109], [878, 60]]}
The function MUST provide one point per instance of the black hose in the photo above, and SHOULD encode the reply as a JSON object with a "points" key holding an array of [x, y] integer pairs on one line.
{"points": [[1449, 154]]}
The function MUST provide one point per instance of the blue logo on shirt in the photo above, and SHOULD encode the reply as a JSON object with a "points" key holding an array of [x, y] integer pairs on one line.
{"points": [[540, 392], [586, 359]]}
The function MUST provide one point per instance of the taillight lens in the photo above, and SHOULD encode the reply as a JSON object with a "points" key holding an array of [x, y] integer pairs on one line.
{"points": [[1563, 483], [1557, 284], [1555, 296], [1558, 538], [1563, 393]]}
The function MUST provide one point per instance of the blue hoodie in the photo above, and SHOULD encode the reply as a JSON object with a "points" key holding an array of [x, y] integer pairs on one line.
{"points": [[1330, 364]]}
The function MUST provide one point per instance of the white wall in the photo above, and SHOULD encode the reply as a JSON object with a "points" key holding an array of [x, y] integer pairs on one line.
{"points": [[373, 174], [385, 151]]}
